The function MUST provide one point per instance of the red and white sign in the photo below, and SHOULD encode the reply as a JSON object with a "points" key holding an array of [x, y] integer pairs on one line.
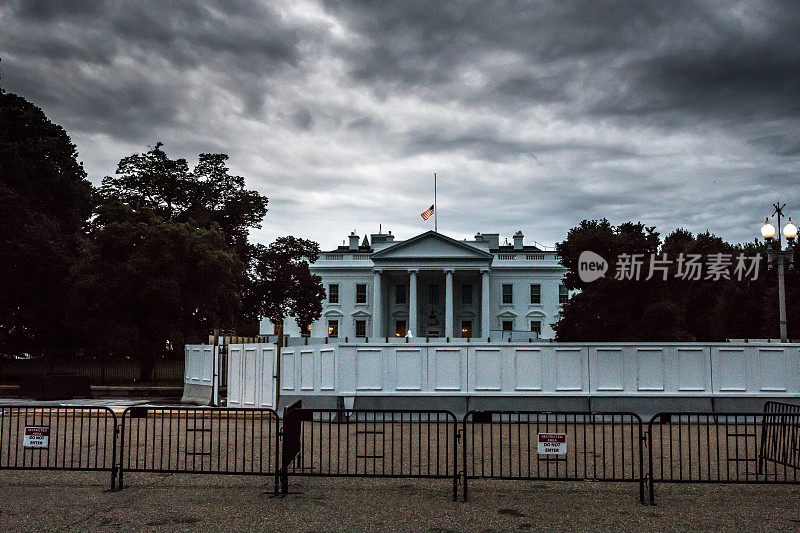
{"points": [[552, 443], [36, 437]]}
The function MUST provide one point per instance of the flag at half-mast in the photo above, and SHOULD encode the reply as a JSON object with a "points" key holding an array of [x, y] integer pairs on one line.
{"points": [[428, 213]]}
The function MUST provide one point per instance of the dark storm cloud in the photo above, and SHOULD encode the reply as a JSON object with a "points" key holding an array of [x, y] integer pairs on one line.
{"points": [[535, 114], [750, 81], [124, 63], [492, 146]]}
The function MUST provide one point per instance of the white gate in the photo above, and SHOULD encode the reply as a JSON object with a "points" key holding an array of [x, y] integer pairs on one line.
{"points": [[251, 375], [198, 379]]}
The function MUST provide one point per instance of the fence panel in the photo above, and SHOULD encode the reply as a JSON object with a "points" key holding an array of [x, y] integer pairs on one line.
{"points": [[58, 438], [370, 443], [723, 448], [582, 446], [780, 434], [199, 441], [99, 371]]}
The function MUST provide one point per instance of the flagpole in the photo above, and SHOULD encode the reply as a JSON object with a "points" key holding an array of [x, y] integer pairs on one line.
{"points": [[435, 207]]}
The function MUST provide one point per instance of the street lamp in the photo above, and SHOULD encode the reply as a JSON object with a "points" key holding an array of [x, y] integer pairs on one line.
{"points": [[776, 254]]}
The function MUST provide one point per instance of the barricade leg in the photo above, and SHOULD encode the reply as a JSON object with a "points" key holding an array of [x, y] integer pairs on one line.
{"points": [[642, 483], [652, 491], [284, 482]]}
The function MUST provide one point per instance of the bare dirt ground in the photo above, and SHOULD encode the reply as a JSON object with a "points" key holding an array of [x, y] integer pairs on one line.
{"points": [[70, 501]]}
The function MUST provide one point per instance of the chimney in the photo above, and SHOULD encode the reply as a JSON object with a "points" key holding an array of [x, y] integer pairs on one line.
{"points": [[493, 239], [353, 241], [518, 236]]}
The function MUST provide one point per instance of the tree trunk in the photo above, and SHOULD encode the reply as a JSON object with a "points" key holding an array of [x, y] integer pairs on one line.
{"points": [[146, 366]]}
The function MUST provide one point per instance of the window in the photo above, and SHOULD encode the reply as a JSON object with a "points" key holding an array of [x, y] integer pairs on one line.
{"points": [[433, 294], [466, 294], [400, 294], [508, 325], [508, 293], [400, 328], [536, 327], [466, 329], [563, 294], [361, 293], [333, 328], [536, 294], [361, 328], [333, 293], [306, 331]]}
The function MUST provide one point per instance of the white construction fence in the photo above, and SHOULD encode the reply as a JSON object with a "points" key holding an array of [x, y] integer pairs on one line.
{"points": [[460, 369], [500, 369]]}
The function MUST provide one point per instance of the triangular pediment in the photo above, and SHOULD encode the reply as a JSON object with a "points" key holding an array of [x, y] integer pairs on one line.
{"points": [[431, 245]]}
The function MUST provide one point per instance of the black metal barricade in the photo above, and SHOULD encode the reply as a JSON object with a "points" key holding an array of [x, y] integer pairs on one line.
{"points": [[370, 443], [199, 440], [554, 446], [58, 438], [780, 435], [722, 448]]}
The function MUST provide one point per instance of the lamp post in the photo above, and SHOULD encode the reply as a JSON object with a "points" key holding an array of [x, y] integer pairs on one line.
{"points": [[776, 254]]}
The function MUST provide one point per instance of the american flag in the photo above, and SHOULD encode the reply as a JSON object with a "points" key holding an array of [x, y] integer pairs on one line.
{"points": [[427, 214]]}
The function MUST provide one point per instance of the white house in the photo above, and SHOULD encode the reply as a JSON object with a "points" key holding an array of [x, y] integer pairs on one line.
{"points": [[432, 285]]}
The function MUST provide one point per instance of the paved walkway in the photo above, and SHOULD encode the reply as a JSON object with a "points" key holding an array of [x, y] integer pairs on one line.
{"points": [[63, 501], [117, 405]]}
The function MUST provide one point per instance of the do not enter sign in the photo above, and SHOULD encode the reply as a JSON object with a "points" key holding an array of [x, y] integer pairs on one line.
{"points": [[36, 437], [552, 443]]}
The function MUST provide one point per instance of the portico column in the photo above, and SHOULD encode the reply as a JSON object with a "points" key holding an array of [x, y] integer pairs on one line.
{"points": [[377, 307], [412, 302], [448, 304], [484, 303]]}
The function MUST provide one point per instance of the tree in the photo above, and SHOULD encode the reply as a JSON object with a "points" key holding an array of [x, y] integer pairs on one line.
{"points": [[45, 201], [221, 198], [142, 281], [155, 189], [151, 181], [611, 309], [281, 285], [600, 237], [606, 309], [206, 196]]}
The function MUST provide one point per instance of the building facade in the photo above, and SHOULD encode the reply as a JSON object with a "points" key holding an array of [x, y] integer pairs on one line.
{"points": [[432, 285]]}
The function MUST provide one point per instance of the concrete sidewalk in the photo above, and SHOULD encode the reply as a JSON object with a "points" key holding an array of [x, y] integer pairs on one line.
{"points": [[63, 501], [117, 405]]}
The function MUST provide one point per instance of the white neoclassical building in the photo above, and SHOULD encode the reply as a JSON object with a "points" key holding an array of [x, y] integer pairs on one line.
{"points": [[432, 285]]}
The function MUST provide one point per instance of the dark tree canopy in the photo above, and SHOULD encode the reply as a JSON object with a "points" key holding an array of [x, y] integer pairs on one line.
{"points": [[45, 201], [609, 241], [281, 284], [164, 258], [674, 310], [207, 195], [142, 280], [181, 236]]}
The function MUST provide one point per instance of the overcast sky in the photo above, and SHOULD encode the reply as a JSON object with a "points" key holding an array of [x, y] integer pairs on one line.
{"points": [[534, 115]]}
